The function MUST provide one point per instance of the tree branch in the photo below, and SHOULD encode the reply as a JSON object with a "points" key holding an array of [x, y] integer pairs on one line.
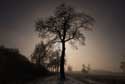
{"points": [[69, 39]]}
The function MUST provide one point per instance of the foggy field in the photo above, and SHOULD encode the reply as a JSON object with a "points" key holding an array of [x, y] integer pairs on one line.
{"points": [[95, 78]]}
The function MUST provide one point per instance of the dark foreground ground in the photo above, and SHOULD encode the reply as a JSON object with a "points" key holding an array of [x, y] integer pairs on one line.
{"points": [[110, 78], [75, 78]]}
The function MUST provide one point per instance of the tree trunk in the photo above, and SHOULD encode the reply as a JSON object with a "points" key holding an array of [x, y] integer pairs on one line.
{"points": [[62, 61]]}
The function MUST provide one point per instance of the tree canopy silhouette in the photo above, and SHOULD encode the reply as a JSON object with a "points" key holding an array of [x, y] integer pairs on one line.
{"points": [[66, 25]]}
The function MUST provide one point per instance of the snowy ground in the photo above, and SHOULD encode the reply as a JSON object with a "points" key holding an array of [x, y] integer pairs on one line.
{"points": [[53, 80]]}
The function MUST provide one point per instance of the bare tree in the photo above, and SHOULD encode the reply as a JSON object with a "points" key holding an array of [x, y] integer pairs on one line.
{"points": [[85, 69], [122, 64], [66, 25], [69, 68], [41, 52]]}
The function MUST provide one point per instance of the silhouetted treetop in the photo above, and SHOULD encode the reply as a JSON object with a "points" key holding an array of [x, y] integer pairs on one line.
{"points": [[68, 19]]}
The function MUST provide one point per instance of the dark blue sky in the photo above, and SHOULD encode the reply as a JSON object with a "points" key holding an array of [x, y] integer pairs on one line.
{"points": [[17, 19]]}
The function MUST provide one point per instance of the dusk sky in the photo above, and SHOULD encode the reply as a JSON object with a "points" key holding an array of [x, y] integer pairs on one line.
{"points": [[104, 47]]}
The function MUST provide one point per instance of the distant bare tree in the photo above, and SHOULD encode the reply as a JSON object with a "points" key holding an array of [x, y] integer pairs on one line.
{"points": [[122, 65], [66, 25], [85, 69], [88, 68], [69, 68]]}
